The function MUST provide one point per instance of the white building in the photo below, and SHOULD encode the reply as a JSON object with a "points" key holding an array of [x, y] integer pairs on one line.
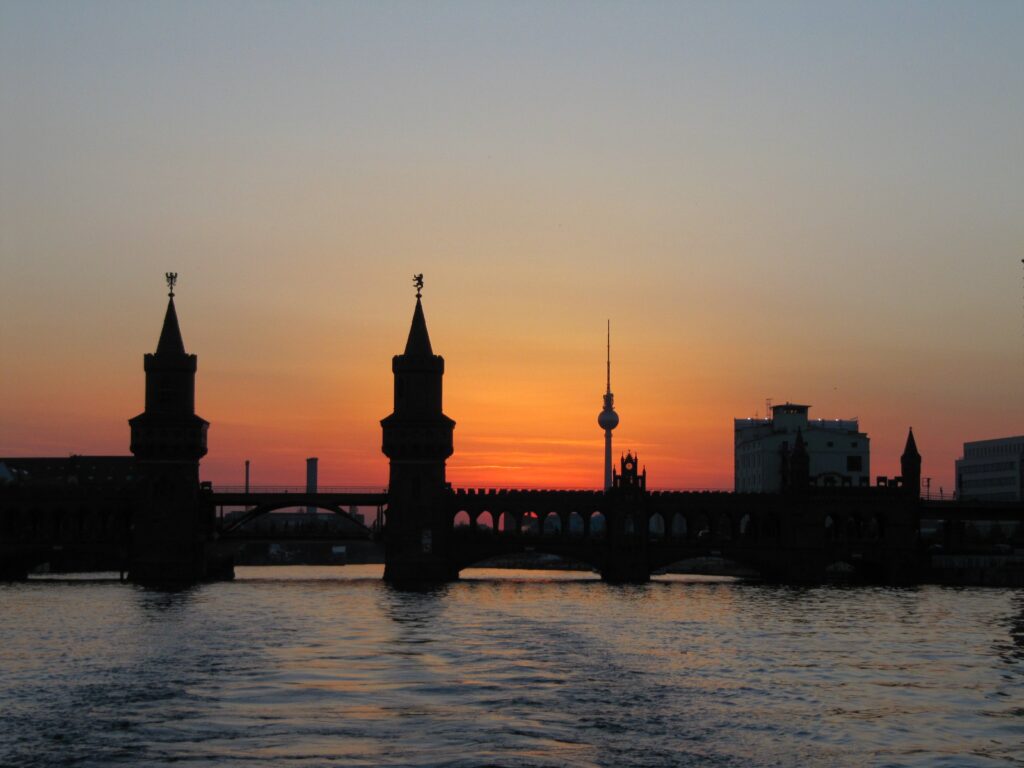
{"points": [[839, 452], [992, 470]]}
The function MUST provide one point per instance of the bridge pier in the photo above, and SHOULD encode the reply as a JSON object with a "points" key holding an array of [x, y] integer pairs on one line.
{"points": [[626, 572], [173, 539], [402, 569]]}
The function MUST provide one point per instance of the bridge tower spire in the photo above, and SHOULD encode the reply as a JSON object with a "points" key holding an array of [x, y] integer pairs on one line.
{"points": [[417, 438], [608, 419], [168, 439]]}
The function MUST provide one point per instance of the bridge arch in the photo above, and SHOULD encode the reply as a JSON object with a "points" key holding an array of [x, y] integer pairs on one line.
{"points": [[263, 509], [529, 524]]}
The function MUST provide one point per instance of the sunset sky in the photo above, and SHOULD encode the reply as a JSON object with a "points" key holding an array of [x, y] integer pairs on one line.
{"points": [[816, 202]]}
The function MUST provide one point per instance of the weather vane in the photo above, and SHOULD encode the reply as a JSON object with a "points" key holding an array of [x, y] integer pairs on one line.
{"points": [[417, 280], [172, 278]]}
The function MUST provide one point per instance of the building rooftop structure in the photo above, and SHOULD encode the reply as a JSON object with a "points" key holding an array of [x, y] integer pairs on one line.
{"points": [[834, 451]]}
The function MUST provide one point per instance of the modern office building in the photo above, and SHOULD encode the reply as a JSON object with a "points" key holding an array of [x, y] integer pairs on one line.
{"points": [[837, 451], [992, 470]]}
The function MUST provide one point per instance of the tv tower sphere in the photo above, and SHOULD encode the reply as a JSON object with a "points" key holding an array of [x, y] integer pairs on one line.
{"points": [[608, 418]]}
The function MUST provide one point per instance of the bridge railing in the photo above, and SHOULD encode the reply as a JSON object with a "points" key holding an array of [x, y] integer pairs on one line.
{"points": [[298, 489]]}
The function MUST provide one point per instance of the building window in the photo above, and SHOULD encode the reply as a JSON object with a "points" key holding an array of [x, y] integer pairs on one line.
{"points": [[854, 464]]}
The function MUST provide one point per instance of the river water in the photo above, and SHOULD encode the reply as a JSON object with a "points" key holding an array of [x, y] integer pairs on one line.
{"points": [[309, 666]]}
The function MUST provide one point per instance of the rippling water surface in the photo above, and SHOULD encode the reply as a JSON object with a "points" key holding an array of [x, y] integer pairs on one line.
{"points": [[320, 666]]}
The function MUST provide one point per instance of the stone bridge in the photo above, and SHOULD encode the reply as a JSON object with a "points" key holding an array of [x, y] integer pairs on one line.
{"points": [[870, 533], [150, 514]]}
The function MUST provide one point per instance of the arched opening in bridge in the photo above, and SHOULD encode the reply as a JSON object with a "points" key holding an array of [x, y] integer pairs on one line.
{"points": [[598, 525], [576, 527], [552, 524], [656, 526], [530, 525], [506, 523], [702, 527], [485, 521], [678, 526], [723, 527], [746, 529], [461, 519]]}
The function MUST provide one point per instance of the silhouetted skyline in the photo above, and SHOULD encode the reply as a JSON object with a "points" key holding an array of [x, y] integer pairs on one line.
{"points": [[807, 204]]}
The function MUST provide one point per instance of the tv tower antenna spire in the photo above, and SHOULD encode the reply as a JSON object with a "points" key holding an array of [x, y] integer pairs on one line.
{"points": [[608, 359]]}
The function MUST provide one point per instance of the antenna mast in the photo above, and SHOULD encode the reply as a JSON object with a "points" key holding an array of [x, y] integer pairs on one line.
{"points": [[608, 363]]}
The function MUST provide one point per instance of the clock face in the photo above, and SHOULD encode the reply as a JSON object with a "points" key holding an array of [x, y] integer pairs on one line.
{"points": [[629, 465]]}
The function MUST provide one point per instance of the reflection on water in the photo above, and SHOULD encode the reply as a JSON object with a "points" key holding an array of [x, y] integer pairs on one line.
{"points": [[311, 666]]}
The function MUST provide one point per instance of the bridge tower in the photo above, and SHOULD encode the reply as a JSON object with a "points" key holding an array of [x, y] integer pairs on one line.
{"points": [[417, 438], [628, 532], [172, 525]]}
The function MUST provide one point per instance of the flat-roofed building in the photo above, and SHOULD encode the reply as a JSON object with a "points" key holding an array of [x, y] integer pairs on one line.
{"points": [[838, 452], [992, 470]]}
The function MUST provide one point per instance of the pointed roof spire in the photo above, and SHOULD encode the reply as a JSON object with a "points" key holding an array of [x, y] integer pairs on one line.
{"points": [[170, 335], [418, 344], [911, 447]]}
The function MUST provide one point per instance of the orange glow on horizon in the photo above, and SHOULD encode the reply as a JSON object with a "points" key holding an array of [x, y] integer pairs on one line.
{"points": [[532, 424]]}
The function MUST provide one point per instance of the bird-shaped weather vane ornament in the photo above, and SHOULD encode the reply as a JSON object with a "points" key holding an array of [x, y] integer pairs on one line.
{"points": [[417, 280], [172, 279]]}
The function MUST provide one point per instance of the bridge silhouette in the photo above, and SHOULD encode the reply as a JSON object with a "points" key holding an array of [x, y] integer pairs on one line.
{"points": [[156, 520]]}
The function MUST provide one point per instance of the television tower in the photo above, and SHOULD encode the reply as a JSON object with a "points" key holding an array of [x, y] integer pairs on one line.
{"points": [[608, 419]]}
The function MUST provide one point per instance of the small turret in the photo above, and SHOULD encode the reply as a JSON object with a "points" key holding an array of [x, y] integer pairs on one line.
{"points": [[910, 466], [629, 476]]}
